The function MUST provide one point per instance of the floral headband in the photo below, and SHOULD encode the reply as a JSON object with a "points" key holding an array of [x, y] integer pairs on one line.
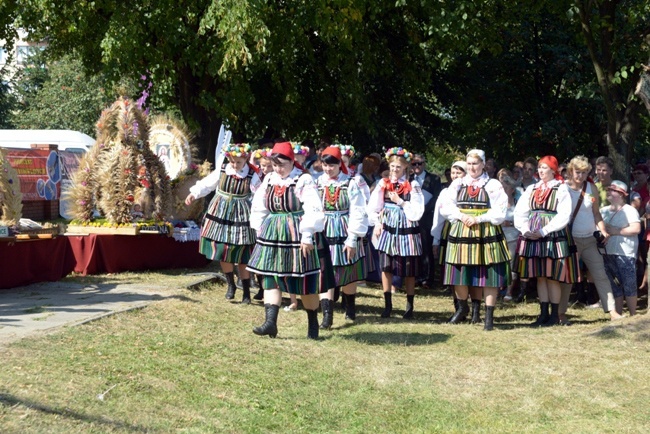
{"points": [[237, 150], [400, 152], [347, 150], [262, 153], [300, 150]]}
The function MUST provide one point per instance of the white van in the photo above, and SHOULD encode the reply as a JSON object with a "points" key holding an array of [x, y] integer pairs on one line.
{"points": [[67, 140]]}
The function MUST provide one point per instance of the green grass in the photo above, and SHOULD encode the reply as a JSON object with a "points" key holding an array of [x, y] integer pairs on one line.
{"points": [[192, 365]]}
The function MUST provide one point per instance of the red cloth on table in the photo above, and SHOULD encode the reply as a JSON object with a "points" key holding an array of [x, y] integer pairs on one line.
{"points": [[25, 262], [96, 254]]}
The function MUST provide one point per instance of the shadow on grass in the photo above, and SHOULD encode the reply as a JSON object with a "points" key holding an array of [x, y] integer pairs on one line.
{"points": [[9, 401], [397, 338], [638, 326]]}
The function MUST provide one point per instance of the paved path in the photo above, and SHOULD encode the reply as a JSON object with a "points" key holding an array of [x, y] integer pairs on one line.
{"points": [[44, 307]]}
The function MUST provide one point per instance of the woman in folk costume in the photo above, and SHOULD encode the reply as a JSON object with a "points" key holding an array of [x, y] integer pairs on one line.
{"points": [[286, 213], [346, 223], [477, 259], [395, 207], [226, 234], [440, 226], [261, 158], [546, 249]]}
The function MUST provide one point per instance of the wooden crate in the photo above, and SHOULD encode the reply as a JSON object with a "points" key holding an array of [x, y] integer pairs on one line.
{"points": [[102, 230]]}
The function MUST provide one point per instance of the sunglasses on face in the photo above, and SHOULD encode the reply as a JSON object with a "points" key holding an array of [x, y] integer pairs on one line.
{"points": [[638, 173], [417, 163]]}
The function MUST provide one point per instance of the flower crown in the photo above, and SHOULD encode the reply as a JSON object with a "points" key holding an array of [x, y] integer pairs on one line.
{"points": [[400, 152], [347, 150], [299, 150], [237, 150], [262, 153]]}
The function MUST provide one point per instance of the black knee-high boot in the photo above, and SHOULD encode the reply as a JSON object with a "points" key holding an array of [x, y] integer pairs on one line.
{"points": [[312, 323], [523, 284], [476, 311], [461, 312], [408, 314], [344, 300], [554, 318], [455, 309], [388, 303], [246, 289], [260, 293], [326, 306], [489, 318], [351, 308], [270, 326], [230, 292], [543, 315]]}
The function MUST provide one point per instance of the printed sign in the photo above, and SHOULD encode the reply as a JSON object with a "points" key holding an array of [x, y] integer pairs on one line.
{"points": [[39, 172]]}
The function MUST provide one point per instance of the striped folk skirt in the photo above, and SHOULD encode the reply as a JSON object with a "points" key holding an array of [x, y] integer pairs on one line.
{"points": [[278, 259], [226, 234], [346, 270], [476, 255], [400, 243], [555, 256]]}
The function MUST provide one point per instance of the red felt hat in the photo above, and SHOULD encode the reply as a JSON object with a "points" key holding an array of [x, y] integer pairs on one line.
{"points": [[335, 152], [284, 148]]}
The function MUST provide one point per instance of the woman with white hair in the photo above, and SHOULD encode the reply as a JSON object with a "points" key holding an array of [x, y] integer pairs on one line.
{"points": [[476, 258], [587, 224]]}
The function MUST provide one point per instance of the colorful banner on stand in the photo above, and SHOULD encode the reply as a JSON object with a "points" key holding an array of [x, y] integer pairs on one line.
{"points": [[39, 171]]}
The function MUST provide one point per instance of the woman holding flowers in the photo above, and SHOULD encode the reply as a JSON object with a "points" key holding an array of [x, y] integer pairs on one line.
{"points": [[476, 257], [226, 235], [286, 213], [395, 207]]}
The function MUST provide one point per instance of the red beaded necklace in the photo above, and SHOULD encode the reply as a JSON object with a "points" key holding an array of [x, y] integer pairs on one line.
{"points": [[401, 189], [332, 194], [541, 194], [279, 190]]}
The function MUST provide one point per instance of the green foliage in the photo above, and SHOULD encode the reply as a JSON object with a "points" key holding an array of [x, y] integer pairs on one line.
{"points": [[59, 94]]}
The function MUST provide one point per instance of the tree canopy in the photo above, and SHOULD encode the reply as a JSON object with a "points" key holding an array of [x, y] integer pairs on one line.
{"points": [[519, 78]]}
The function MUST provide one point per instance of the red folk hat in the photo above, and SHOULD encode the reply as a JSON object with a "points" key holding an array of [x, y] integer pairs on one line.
{"points": [[335, 152], [284, 148]]}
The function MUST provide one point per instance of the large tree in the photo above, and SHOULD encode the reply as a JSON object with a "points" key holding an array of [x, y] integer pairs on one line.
{"points": [[616, 34], [350, 68]]}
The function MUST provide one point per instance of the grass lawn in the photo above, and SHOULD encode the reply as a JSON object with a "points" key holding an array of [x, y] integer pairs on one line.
{"points": [[192, 365]]}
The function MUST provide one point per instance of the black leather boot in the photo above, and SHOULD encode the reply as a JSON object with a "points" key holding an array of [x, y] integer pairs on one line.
{"points": [[351, 309], [260, 293], [521, 297], [246, 289], [554, 317], [388, 303], [461, 312], [455, 309], [489, 318], [328, 314], [270, 326], [543, 315], [476, 311], [408, 314], [312, 323], [230, 278]]}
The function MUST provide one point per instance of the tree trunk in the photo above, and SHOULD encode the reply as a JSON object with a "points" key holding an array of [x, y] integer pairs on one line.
{"points": [[207, 120]]}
